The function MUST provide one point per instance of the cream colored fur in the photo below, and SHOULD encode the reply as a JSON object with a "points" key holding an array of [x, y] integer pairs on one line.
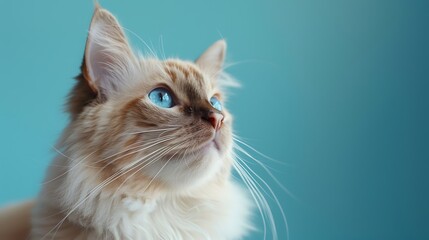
{"points": [[109, 182]]}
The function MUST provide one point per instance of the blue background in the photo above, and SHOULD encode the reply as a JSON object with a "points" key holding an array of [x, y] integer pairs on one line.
{"points": [[337, 90]]}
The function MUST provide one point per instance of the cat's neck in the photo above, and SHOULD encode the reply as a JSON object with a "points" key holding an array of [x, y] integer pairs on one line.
{"points": [[121, 212]]}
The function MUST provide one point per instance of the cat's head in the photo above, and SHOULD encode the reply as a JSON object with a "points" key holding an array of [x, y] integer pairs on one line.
{"points": [[145, 118]]}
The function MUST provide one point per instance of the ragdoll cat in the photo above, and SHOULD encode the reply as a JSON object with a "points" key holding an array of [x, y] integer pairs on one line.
{"points": [[148, 152]]}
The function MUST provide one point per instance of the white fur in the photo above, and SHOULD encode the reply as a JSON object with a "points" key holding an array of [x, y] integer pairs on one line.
{"points": [[218, 213]]}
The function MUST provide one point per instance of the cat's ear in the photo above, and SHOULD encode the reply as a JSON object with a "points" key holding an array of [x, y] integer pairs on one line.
{"points": [[109, 60], [211, 61]]}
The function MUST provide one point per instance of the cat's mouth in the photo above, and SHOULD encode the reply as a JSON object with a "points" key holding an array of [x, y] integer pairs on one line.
{"points": [[205, 147], [213, 143]]}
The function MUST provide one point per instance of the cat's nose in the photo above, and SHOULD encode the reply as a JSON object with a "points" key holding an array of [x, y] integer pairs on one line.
{"points": [[214, 118]]}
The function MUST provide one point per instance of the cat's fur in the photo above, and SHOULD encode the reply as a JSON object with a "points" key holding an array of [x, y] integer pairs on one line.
{"points": [[129, 169]]}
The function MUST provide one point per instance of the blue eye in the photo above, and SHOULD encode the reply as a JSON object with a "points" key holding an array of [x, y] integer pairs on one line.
{"points": [[161, 97], [216, 103]]}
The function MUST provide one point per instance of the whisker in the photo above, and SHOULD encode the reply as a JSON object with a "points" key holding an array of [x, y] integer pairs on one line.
{"points": [[257, 183], [272, 194], [83, 159], [136, 145], [159, 171], [140, 162], [91, 193], [162, 47], [244, 164], [136, 151], [144, 42], [252, 192], [267, 171], [70, 169], [239, 140], [151, 130], [100, 186], [59, 152]]}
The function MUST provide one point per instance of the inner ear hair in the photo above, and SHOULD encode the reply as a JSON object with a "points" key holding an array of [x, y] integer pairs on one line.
{"points": [[212, 60]]}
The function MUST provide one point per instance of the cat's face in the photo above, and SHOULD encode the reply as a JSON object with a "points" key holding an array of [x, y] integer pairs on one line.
{"points": [[162, 120], [172, 115]]}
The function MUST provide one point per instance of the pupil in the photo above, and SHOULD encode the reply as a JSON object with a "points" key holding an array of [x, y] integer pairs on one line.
{"points": [[161, 96]]}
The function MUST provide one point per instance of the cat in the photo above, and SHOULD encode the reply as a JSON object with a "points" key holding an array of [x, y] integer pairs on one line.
{"points": [[148, 152]]}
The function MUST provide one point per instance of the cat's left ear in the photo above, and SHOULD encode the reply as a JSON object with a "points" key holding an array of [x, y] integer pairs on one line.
{"points": [[109, 61], [211, 61]]}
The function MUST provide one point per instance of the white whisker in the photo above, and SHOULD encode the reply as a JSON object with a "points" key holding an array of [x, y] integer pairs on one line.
{"points": [[144, 42], [91, 193], [266, 170], [239, 140], [241, 173], [70, 169], [147, 145], [257, 183], [151, 130]]}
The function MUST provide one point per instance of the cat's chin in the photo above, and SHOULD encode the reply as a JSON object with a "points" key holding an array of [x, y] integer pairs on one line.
{"points": [[212, 145], [192, 169]]}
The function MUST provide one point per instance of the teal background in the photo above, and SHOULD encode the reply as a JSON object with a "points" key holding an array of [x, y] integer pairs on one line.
{"points": [[337, 90]]}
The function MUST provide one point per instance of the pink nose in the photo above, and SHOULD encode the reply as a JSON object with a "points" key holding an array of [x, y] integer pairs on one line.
{"points": [[215, 119]]}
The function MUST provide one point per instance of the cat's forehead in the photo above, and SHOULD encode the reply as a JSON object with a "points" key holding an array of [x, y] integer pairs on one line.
{"points": [[179, 70], [186, 79]]}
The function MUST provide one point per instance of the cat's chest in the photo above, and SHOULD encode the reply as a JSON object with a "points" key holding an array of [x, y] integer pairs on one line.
{"points": [[145, 218], [138, 205]]}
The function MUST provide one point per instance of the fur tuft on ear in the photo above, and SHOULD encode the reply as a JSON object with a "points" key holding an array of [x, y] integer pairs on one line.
{"points": [[109, 61], [211, 61]]}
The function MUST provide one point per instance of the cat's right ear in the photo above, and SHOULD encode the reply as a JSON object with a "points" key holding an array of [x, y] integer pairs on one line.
{"points": [[213, 58], [109, 61]]}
